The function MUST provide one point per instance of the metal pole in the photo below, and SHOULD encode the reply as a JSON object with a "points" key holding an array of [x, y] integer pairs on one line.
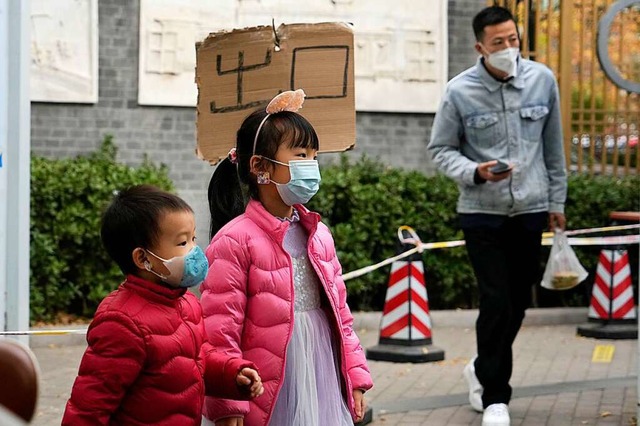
{"points": [[4, 84], [611, 283], [409, 277], [566, 41], [15, 143]]}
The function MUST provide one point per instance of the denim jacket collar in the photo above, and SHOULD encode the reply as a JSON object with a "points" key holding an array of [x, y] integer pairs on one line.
{"points": [[492, 84]]}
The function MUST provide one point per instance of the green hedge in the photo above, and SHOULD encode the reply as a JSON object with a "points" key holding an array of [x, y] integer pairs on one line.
{"points": [[364, 203], [70, 271]]}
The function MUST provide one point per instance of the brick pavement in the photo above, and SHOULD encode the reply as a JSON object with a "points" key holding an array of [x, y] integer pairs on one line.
{"points": [[555, 382]]}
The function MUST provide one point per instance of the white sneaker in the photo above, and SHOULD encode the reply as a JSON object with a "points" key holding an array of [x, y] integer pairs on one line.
{"points": [[475, 388], [496, 415]]}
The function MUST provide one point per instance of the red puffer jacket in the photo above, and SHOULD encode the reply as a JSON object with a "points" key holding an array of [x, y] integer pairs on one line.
{"points": [[149, 361]]}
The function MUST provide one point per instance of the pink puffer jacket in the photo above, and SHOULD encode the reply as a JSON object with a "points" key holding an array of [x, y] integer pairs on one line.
{"points": [[247, 300]]}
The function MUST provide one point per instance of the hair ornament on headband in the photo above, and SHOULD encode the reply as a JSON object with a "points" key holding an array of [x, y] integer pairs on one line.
{"points": [[233, 156], [286, 101]]}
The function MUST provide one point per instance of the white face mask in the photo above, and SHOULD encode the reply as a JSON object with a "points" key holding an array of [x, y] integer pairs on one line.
{"points": [[505, 60], [304, 182]]}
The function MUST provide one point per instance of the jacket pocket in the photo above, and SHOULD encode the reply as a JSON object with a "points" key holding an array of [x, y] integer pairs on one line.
{"points": [[532, 122], [483, 129]]}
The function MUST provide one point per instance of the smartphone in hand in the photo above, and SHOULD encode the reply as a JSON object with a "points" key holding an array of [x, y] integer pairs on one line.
{"points": [[500, 168]]}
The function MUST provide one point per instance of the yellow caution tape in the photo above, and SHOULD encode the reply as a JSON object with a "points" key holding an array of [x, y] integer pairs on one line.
{"points": [[413, 239], [42, 332], [594, 230], [547, 239], [613, 240], [367, 269]]}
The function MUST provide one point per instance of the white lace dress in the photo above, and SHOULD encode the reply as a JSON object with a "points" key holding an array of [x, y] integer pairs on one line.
{"points": [[311, 392]]}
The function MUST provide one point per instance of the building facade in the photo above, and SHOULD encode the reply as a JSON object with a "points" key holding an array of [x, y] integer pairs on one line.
{"points": [[167, 134]]}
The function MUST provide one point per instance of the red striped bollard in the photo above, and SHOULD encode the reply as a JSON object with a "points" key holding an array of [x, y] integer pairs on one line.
{"points": [[612, 310], [405, 329]]}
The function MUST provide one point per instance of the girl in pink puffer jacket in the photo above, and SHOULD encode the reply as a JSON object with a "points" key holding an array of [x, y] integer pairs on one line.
{"points": [[274, 293]]}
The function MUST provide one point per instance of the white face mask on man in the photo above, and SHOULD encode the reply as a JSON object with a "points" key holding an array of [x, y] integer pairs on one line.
{"points": [[505, 60]]}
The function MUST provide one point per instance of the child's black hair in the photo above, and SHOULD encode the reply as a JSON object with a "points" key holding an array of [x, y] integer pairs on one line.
{"points": [[492, 15], [231, 183], [132, 220]]}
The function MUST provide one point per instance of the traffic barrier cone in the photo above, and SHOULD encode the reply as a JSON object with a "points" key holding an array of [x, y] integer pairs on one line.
{"points": [[405, 329], [612, 311]]}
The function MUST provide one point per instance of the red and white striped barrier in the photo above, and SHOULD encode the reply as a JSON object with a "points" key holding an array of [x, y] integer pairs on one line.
{"points": [[612, 294], [405, 328], [406, 307]]}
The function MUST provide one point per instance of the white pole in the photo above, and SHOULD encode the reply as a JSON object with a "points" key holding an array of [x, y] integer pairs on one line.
{"points": [[15, 145], [4, 84]]}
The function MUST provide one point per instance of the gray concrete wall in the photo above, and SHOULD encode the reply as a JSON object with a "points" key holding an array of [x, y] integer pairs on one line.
{"points": [[167, 134]]}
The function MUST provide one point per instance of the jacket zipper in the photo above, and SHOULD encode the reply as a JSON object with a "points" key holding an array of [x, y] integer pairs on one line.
{"points": [[291, 314], [337, 322], [195, 344]]}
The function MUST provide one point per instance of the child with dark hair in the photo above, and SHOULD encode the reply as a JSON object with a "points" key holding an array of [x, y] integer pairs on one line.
{"points": [[149, 360], [274, 293]]}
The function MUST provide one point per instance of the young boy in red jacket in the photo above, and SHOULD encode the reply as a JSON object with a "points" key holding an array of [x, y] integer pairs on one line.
{"points": [[149, 360]]}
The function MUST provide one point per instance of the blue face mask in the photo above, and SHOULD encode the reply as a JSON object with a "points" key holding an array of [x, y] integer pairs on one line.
{"points": [[304, 182], [184, 271]]}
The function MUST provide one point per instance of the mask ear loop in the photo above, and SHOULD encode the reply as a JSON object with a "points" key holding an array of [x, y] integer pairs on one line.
{"points": [[148, 267]]}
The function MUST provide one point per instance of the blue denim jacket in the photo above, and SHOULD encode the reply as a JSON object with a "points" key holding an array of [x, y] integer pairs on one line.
{"points": [[518, 122]]}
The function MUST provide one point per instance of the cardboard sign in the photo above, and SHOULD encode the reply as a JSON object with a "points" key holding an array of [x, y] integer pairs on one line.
{"points": [[242, 70]]}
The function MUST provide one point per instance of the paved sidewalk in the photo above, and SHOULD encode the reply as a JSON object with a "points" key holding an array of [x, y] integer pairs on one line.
{"points": [[555, 381]]}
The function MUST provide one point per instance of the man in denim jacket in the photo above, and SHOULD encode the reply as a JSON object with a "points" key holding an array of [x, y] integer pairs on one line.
{"points": [[504, 108]]}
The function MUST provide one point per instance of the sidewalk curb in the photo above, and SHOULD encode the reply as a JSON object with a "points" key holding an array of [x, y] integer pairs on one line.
{"points": [[370, 321], [466, 318], [57, 340]]}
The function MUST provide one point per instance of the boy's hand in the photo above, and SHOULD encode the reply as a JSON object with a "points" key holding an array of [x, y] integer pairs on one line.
{"points": [[360, 404], [250, 379]]}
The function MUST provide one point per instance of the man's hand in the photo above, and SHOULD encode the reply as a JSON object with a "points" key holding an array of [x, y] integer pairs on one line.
{"points": [[556, 220], [230, 421], [250, 379], [360, 404], [485, 173]]}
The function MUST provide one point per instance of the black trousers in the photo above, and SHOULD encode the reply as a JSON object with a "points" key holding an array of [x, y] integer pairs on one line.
{"points": [[506, 260]]}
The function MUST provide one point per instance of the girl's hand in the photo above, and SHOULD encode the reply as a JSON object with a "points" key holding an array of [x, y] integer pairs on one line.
{"points": [[360, 404], [230, 421], [250, 379]]}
